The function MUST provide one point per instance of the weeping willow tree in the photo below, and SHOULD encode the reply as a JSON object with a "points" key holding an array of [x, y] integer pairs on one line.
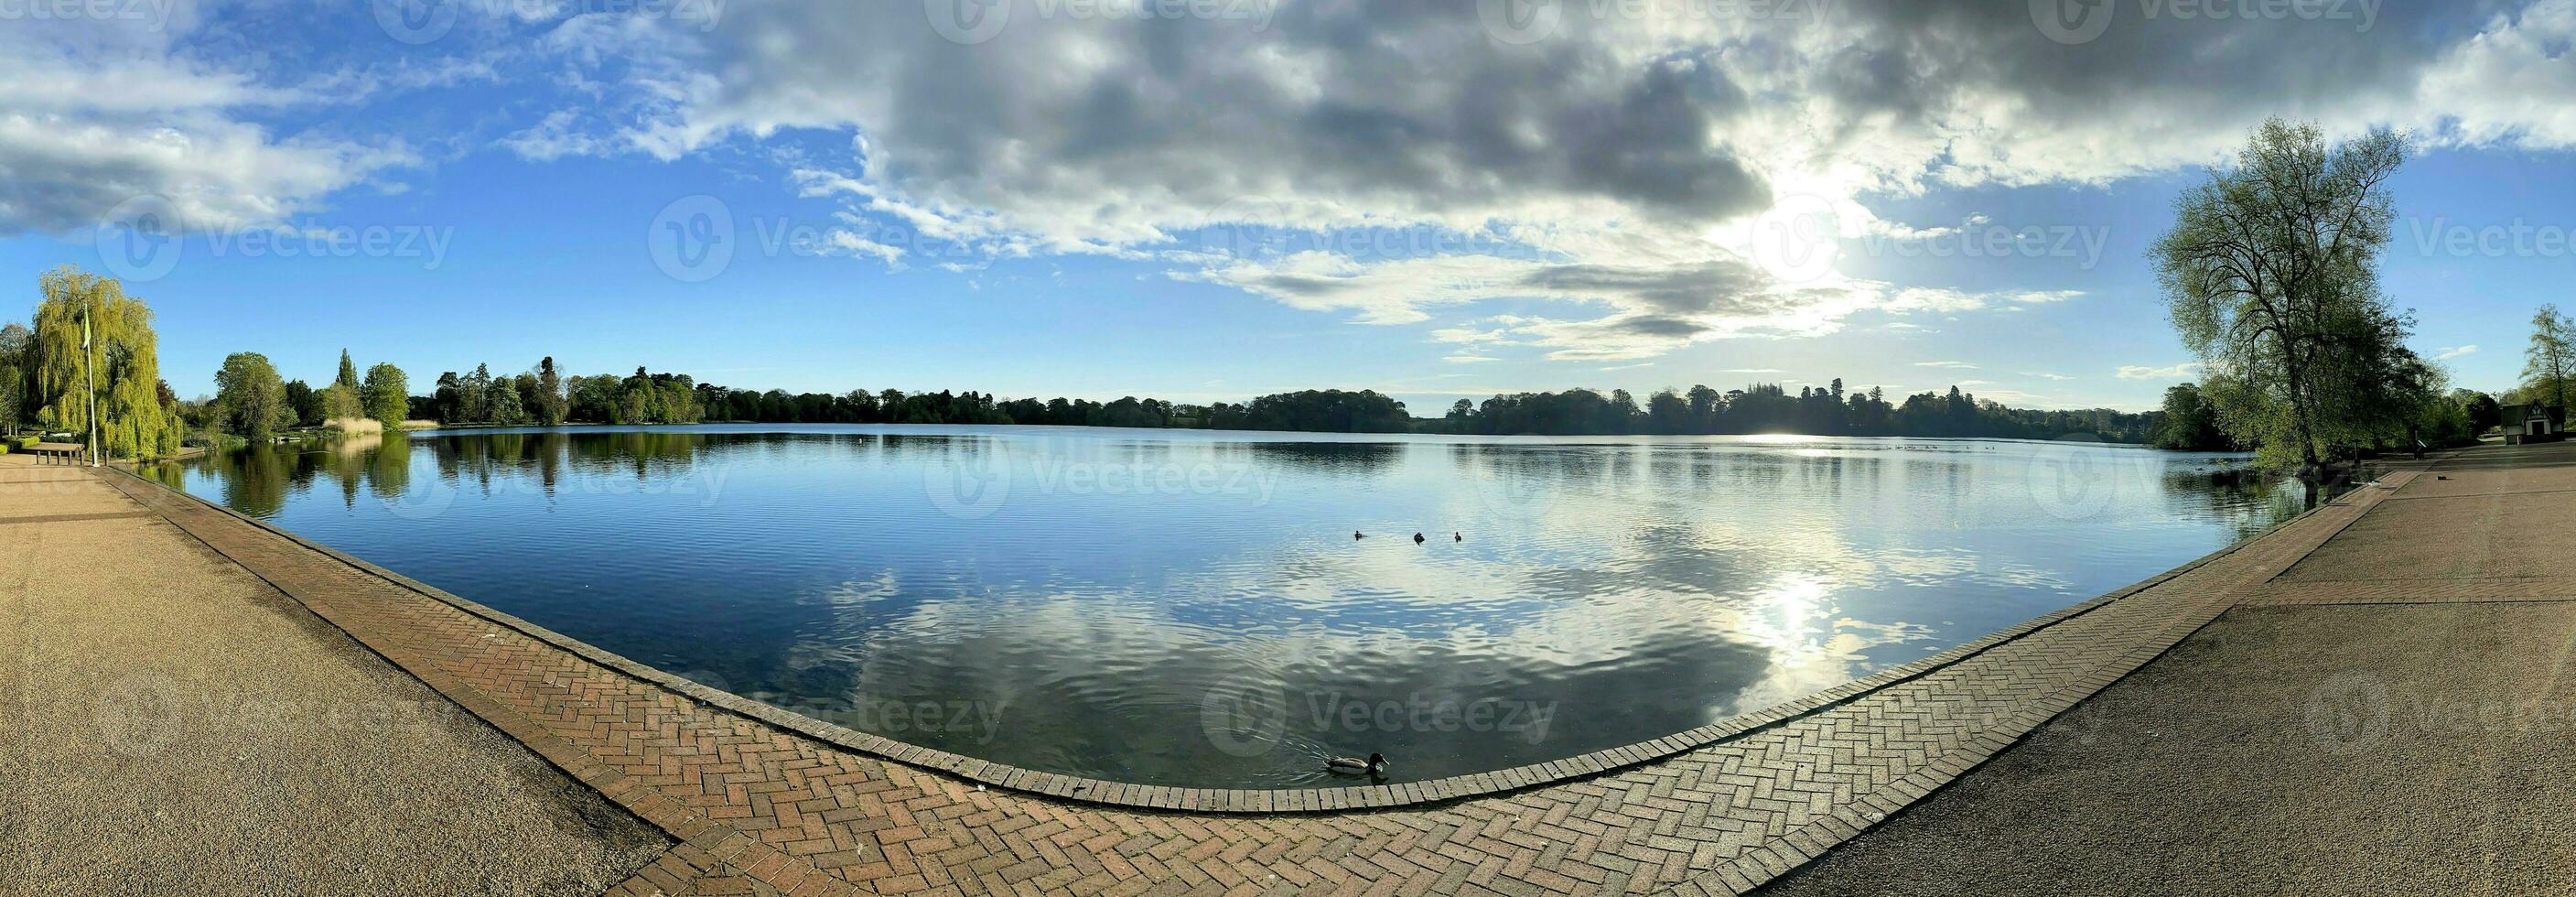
{"points": [[2270, 275], [133, 422]]}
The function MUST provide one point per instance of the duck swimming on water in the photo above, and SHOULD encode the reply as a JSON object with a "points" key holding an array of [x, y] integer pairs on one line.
{"points": [[1417, 538], [1356, 535], [1457, 537], [1376, 763]]}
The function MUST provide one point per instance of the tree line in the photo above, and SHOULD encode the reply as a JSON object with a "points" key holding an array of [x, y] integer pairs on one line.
{"points": [[252, 402], [1831, 410]]}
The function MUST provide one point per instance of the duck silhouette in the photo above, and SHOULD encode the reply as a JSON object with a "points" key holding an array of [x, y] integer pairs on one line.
{"points": [[1351, 766], [1356, 535], [1417, 539]]}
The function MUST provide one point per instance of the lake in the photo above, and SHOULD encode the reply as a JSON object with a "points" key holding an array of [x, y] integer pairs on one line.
{"points": [[1192, 608]]}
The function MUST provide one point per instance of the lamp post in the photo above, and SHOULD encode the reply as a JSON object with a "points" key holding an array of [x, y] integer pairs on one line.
{"points": [[90, 373]]}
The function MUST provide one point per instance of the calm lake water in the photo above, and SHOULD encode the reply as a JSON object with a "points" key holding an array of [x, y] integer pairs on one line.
{"points": [[1189, 608]]}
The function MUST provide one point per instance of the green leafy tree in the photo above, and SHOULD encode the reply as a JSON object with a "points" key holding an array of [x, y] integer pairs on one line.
{"points": [[2484, 413], [501, 400], [386, 395], [550, 393], [2551, 356], [306, 403], [251, 399], [2189, 422], [341, 403], [15, 341], [121, 356], [348, 378], [2270, 272]]}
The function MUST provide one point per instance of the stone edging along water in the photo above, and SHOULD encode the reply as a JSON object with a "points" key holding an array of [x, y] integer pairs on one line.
{"points": [[1214, 800]]}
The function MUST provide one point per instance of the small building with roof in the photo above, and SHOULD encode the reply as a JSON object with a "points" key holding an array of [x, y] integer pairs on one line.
{"points": [[2533, 422]]}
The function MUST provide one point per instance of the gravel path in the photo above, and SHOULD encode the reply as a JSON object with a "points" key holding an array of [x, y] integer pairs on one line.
{"points": [[171, 724], [2404, 748]]}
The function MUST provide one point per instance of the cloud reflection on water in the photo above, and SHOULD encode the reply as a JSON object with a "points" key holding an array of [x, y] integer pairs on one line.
{"points": [[1114, 589]]}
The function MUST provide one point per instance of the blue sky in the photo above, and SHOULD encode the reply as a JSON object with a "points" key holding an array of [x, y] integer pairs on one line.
{"points": [[1434, 203]]}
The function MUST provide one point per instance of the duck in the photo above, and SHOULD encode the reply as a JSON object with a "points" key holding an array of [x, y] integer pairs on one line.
{"points": [[1417, 538], [1357, 535], [1457, 537], [1348, 766]]}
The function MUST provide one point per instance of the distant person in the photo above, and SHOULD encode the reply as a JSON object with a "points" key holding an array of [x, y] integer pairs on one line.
{"points": [[2419, 450]]}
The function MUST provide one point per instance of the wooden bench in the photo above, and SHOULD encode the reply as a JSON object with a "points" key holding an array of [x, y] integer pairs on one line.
{"points": [[63, 453]]}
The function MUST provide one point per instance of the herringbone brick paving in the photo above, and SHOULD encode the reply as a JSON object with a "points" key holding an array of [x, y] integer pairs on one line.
{"points": [[764, 811]]}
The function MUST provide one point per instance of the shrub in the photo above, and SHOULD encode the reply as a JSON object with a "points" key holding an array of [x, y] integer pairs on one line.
{"points": [[356, 426]]}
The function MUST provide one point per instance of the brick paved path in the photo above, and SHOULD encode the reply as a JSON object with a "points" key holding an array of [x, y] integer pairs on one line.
{"points": [[760, 809]]}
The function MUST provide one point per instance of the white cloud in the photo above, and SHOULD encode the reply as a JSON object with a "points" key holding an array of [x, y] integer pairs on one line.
{"points": [[2045, 375], [1623, 164], [1956, 365], [2169, 372], [98, 114], [2451, 352]]}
